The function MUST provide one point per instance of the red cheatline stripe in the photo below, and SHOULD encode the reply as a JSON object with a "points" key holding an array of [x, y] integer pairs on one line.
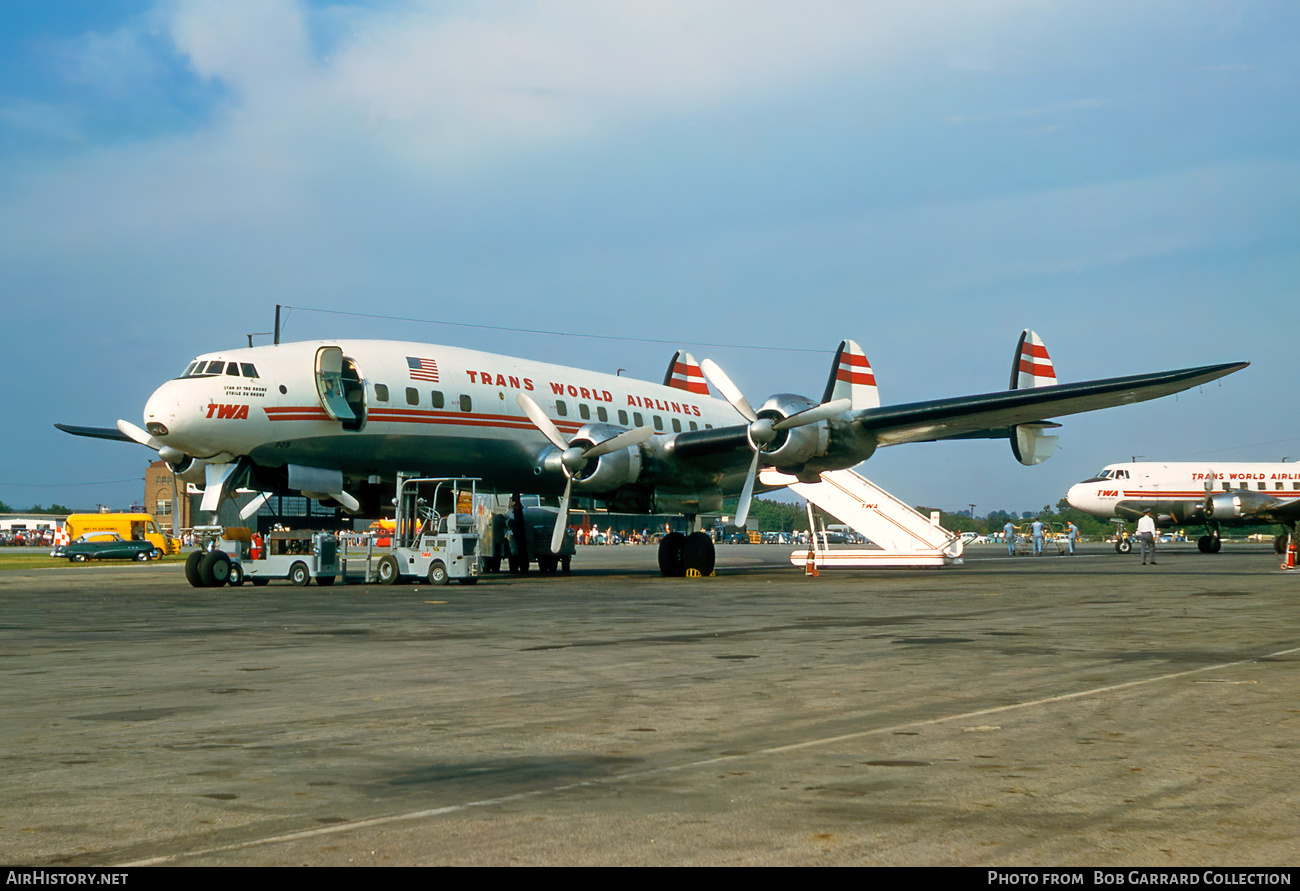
{"points": [[416, 416], [1200, 493]]}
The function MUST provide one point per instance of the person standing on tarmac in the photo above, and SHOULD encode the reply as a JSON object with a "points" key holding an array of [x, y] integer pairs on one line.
{"points": [[1009, 533], [1072, 535], [1037, 528], [1147, 537]]}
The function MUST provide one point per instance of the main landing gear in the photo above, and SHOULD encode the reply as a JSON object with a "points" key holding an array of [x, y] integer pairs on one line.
{"points": [[681, 555], [1210, 543]]}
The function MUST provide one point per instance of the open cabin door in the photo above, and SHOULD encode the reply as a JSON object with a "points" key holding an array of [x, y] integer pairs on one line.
{"points": [[339, 387]]}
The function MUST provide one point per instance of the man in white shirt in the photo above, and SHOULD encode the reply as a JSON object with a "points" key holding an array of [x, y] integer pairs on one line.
{"points": [[1147, 537]]}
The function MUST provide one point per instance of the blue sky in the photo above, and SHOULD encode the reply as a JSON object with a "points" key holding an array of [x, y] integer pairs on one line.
{"points": [[925, 178]]}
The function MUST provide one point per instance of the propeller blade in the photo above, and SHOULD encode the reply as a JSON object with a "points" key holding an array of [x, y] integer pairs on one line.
{"points": [[814, 414], [729, 391], [255, 505], [747, 493], [632, 437], [140, 436], [562, 518], [541, 421]]}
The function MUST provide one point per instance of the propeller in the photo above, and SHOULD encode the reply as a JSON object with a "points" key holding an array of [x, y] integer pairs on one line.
{"points": [[575, 457], [764, 430], [167, 453]]}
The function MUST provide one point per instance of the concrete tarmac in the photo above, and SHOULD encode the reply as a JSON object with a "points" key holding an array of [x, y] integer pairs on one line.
{"points": [[1046, 711]]}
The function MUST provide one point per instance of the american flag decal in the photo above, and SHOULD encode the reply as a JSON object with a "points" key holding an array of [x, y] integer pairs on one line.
{"points": [[422, 369]]}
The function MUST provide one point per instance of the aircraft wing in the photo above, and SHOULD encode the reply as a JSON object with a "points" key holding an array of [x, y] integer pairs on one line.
{"points": [[992, 414]]}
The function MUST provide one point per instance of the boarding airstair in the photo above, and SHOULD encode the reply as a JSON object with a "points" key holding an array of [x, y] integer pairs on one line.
{"points": [[899, 535]]}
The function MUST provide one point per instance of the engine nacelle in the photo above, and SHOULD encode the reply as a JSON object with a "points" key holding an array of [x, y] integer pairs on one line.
{"points": [[190, 470], [603, 474], [1235, 505], [791, 448]]}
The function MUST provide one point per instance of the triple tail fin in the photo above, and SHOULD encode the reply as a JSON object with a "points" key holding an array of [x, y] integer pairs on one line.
{"points": [[1032, 367], [852, 378], [684, 374]]}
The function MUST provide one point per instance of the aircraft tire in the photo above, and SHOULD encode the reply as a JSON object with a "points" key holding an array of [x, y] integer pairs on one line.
{"points": [[1216, 544], [698, 553], [214, 569], [1279, 543], [388, 571], [1124, 546], [192, 569], [438, 573], [671, 561], [564, 565], [299, 575]]}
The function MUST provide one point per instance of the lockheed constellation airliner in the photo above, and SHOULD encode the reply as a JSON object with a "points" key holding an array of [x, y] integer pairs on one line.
{"points": [[338, 419]]}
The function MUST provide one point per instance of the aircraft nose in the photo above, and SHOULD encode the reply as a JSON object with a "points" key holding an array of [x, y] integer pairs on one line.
{"points": [[1075, 497], [160, 412]]}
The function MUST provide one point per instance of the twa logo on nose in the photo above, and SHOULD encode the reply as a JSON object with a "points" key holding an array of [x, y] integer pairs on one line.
{"points": [[224, 412]]}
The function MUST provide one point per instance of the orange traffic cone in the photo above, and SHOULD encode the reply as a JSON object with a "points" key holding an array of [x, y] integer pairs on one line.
{"points": [[1290, 553]]}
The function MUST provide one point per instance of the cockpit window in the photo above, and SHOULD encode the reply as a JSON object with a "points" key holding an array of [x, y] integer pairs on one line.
{"points": [[233, 369], [200, 368], [248, 369]]}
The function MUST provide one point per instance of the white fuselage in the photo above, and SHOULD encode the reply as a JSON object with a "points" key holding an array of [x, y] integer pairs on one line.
{"points": [[1180, 489], [417, 408]]}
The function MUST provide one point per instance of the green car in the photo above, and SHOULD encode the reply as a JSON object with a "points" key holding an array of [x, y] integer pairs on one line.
{"points": [[106, 546]]}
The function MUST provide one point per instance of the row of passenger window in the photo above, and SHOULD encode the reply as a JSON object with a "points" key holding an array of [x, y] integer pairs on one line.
{"points": [[437, 400], [1227, 487], [215, 367]]}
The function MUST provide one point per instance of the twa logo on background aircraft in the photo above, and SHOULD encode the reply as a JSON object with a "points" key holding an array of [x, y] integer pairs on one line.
{"points": [[340, 419]]}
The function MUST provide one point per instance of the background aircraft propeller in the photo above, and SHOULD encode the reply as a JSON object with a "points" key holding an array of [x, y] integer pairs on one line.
{"points": [[573, 458], [764, 430]]}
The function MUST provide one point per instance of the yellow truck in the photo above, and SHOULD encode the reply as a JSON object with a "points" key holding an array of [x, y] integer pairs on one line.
{"points": [[129, 526]]}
